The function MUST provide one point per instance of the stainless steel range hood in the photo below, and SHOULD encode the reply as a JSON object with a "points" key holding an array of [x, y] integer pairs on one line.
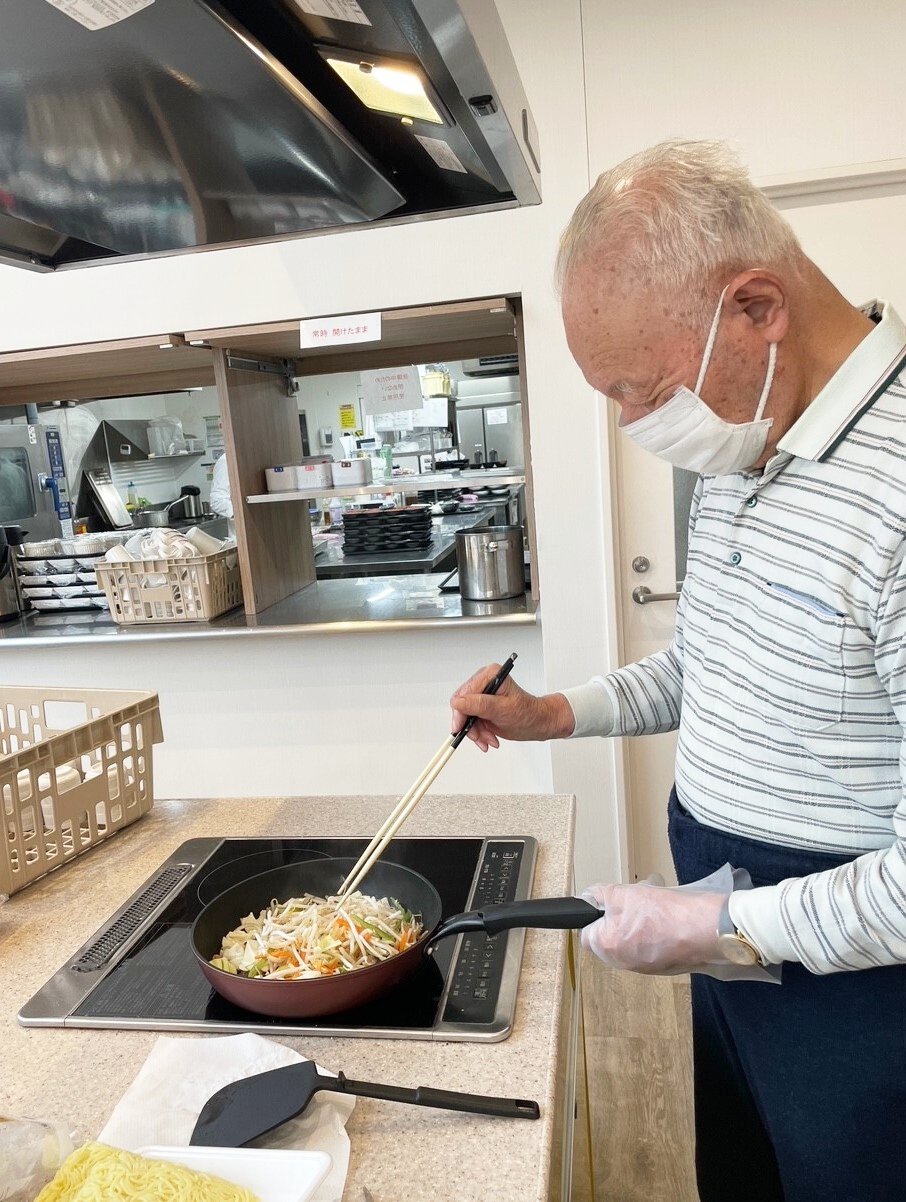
{"points": [[193, 123]]}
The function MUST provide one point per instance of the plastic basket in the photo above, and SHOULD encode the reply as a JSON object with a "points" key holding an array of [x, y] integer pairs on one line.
{"points": [[75, 767], [172, 590]]}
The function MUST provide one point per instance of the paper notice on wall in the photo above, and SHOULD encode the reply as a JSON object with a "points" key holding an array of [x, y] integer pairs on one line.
{"points": [[434, 412], [496, 417], [98, 14], [347, 416], [391, 389], [336, 10], [385, 422], [441, 153], [213, 433], [334, 331]]}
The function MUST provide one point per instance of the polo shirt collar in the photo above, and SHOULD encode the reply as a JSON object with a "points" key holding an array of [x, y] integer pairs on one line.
{"points": [[852, 389]]}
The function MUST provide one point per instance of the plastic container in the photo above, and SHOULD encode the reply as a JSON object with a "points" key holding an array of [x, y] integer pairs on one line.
{"points": [[75, 768], [165, 436], [350, 471], [311, 472], [272, 1174], [172, 590]]}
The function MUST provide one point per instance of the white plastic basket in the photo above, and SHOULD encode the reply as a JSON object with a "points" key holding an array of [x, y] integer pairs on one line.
{"points": [[75, 768], [172, 590]]}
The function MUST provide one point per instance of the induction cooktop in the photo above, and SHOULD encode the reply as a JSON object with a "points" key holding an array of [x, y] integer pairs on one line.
{"points": [[138, 970]]}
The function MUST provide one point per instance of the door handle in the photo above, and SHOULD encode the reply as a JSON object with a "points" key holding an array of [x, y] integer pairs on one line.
{"points": [[642, 595]]}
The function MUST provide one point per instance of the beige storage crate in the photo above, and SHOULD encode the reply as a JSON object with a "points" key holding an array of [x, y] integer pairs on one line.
{"points": [[172, 590], [75, 767]]}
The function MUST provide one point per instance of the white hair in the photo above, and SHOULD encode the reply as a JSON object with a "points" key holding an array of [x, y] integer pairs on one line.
{"points": [[678, 215]]}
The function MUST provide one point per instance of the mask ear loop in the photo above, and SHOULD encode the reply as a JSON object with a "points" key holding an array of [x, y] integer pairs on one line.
{"points": [[768, 381], [709, 345]]}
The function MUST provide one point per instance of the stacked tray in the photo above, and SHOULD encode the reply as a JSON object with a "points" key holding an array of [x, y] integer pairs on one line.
{"points": [[386, 531], [55, 582]]}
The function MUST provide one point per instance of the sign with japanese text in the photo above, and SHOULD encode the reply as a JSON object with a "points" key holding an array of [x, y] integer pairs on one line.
{"points": [[334, 331], [391, 390]]}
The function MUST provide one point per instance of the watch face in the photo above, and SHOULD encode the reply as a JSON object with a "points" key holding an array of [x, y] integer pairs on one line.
{"points": [[736, 951]]}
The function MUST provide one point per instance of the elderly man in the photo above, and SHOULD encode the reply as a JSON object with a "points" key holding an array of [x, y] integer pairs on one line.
{"points": [[688, 301]]}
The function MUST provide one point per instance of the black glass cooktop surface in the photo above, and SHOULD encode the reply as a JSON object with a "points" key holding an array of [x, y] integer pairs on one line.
{"points": [[139, 970]]}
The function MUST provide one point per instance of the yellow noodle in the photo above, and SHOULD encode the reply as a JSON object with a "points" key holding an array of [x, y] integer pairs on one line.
{"points": [[97, 1173]]}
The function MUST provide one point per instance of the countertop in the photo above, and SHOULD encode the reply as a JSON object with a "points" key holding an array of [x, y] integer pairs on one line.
{"points": [[359, 605], [78, 1075]]}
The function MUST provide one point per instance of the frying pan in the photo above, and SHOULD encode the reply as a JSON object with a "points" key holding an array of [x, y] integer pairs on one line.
{"points": [[333, 994]]}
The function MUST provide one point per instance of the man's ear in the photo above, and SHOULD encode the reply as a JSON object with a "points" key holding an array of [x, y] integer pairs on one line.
{"points": [[759, 297]]}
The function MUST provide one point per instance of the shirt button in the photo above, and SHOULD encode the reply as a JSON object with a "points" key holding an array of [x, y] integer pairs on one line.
{"points": [[735, 558], [752, 502]]}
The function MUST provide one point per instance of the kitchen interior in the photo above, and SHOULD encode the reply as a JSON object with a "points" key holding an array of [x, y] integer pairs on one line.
{"points": [[423, 505], [311, 242]]}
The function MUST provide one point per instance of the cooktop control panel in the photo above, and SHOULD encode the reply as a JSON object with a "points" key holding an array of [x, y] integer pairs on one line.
{"points": [[477, 971]]}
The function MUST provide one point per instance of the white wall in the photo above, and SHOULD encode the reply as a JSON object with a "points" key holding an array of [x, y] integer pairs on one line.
{"points": [[304, 715], [796, 85], [320, 398]]}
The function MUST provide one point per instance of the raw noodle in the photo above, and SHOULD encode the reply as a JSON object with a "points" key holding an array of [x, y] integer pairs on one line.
{"points": [[97, 1173]]}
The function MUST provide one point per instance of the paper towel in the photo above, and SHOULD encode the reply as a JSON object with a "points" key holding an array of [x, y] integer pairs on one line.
{"points": [[163, 1103]]}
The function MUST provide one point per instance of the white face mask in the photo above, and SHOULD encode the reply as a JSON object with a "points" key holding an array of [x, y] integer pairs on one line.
{"points": [[688, 434]]}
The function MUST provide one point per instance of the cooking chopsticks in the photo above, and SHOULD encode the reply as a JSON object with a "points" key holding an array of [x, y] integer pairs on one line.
{"points": [[416, 792]]}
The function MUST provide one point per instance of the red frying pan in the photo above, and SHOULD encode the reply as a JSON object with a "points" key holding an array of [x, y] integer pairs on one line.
{"points": [[342, 991]]}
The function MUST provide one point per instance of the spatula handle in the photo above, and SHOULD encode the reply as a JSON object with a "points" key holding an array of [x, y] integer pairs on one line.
{"points": [[440, 1099]]}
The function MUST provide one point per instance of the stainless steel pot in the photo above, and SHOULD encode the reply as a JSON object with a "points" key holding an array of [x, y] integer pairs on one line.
{"points": [[491, 565], [158, 516]]}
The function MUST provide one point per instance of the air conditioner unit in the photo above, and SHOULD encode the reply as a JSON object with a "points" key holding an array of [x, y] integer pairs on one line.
{"points": [[492, 365]]}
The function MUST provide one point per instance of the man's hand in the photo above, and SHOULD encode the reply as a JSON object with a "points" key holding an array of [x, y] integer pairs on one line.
{"points": [[511, 713], [650, 929]]}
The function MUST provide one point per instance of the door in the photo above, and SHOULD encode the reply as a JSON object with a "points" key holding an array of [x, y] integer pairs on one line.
{"points": [[652, 507], [503, 433], [652, 502], [470, 432]]}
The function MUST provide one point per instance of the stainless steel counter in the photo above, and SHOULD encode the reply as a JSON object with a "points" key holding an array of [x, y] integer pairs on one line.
{"points": [[363, 605], [441, 552]]}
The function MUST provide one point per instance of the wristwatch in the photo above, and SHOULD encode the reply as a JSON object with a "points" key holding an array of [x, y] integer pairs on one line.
{"points": [[732, 943]]}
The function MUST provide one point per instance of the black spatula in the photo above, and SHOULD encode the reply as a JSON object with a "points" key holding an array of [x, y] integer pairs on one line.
{"points": [[247, 1109]]}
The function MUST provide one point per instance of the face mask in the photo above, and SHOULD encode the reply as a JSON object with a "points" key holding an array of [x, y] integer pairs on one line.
{"points": [[688, 434]]}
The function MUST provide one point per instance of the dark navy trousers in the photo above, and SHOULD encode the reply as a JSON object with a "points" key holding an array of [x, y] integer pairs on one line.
{"points": [[800, 1088]]}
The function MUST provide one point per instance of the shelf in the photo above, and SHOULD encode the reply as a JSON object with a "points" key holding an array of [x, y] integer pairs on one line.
{"points": [[128, 461], [402, 484]]}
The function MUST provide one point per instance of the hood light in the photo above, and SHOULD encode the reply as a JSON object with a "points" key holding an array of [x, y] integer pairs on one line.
{"points": [[396, 90]]}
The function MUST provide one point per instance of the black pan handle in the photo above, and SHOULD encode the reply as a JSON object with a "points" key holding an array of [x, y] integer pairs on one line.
{"points": [[440, 1099], [553, 913]]}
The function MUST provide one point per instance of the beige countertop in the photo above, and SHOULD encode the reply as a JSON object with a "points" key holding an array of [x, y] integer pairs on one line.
{"points": [[79, 1075]]}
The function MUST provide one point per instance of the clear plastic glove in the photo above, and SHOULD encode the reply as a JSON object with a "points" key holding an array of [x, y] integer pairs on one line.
{"points": [[651, 929]]}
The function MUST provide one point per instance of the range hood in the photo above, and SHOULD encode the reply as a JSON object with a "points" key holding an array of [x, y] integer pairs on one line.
{"points": [[183, 124]]}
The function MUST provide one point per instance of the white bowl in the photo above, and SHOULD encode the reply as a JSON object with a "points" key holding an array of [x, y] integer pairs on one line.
{"points": [[274, 1174]]}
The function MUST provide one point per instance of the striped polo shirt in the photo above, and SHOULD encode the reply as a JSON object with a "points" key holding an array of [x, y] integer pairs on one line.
{"points": [[787, 675]]}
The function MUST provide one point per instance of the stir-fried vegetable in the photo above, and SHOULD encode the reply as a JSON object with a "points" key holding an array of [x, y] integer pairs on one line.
{"points": [[309, 936]]}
